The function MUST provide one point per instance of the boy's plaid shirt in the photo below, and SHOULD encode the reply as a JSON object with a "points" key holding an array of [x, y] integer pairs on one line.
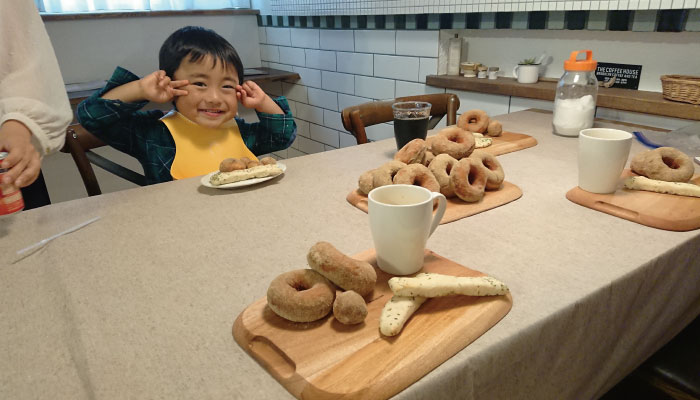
{"points": [[142, 135]]}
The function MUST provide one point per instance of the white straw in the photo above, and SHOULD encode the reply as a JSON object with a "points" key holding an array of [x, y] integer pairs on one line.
{"points": [[48, 239]]}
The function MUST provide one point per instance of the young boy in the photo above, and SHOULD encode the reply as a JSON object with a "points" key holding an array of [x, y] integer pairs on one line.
{"points": [[202, 75]]}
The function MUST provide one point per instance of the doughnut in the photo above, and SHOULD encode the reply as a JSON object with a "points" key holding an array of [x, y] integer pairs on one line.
{"points": [[366, 182], [384, 175], [454, 141], [231, 164], [494, 129], [428, 158], [349, 308], [346, 272], [468, 180], [417, 174], [474, 121], [493, 169], [429, 142], [441, 166], [302, 295], [412, 152], [663, 164], [267, 161]]}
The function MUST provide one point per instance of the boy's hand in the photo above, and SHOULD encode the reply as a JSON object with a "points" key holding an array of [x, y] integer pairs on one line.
{"points": [[157, 87], [23, 163], [251, 96]]}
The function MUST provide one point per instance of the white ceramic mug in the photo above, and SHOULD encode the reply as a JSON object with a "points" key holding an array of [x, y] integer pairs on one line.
{"points": [[526, 73], [401, 220], [602, 155]]}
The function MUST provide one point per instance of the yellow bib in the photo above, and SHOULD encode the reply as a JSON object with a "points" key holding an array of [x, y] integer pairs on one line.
{"points": [[200, 150]]}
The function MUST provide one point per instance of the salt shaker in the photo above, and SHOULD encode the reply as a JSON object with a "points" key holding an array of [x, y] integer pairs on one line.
{"points": [[576, 93]]}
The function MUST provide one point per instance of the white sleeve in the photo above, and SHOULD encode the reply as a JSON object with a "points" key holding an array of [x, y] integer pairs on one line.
{"points": [[31, 87]]}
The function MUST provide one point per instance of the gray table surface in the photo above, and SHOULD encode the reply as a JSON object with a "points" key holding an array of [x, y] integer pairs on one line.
{"points": [[140, 304]]}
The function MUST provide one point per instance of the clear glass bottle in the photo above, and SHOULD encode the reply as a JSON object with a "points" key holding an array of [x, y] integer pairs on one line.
{"points": [[576, 94]]}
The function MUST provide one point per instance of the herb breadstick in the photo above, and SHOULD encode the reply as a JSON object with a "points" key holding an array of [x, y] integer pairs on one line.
{"points": [[437, 285], [481, 142], [653, 185], [260, 171], [396, 312]]}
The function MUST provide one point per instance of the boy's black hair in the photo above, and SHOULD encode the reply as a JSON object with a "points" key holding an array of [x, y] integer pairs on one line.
{"points": [[197, 42]]}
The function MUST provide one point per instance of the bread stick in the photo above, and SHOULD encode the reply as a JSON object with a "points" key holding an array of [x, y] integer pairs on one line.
{"points": [[437, 285], [260, 171], [396, 312], [482, 142], [652, 185]]}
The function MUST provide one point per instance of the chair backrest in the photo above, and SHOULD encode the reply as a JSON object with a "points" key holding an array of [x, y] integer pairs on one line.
{"points": [[79, 142], [356, 118]]}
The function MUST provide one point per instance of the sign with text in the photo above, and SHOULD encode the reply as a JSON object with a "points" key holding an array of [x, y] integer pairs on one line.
{"points": [[626, 75]]}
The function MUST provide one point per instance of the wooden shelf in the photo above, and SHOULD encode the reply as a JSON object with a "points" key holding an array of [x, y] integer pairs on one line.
{"points": [[619, 99]]}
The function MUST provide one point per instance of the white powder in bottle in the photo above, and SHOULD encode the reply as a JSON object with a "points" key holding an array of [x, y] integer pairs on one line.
{"points": [[572, 115]]}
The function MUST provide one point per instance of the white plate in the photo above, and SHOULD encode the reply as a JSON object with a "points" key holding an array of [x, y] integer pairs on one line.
{"points": [[247, 182]]}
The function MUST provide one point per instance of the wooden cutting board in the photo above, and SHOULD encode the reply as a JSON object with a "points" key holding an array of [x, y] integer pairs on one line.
{"points": [[457, 209], [328, 360], [658, 210], [509, 142]]}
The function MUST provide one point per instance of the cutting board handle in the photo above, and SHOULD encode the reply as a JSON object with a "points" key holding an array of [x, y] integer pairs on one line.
{"points": [[272, 357]]}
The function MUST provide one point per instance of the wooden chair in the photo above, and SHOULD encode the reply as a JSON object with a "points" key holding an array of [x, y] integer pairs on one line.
{"points": [[356, 118], [78, 143]]}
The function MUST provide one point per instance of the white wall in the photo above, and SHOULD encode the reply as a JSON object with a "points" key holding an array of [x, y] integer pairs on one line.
{"points": [[89, 49]]}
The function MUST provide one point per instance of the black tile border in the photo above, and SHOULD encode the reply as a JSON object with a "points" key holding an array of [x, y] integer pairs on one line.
{"points": [[615, 20]]}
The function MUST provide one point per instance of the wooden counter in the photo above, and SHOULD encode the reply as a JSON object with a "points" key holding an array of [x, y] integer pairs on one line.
{"points": [[619, 99]]}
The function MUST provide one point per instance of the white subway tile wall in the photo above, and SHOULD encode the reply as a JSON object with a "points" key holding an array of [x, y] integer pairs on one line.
{"points": [[343, 68]]}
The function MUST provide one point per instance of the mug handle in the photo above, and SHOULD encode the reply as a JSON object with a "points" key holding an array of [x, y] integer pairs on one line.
{"points": [[442, 203], [515, 72]]}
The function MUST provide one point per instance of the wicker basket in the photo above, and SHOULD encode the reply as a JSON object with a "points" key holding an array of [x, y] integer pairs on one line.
{"points": [[683, 88]]}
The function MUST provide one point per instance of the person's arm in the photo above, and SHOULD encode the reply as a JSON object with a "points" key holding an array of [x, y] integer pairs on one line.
{"points": [[34, 108], [112, 113], [274, 132]]}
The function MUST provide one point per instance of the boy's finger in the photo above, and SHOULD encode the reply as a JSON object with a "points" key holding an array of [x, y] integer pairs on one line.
{"points": [[179, 92], [179, 83]]}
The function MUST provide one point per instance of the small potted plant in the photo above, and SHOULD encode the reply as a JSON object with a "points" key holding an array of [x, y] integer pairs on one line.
{"points": [[527, 71]]}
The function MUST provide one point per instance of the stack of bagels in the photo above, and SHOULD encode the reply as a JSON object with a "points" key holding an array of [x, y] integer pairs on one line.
{"points": [[447, 162], [307, 295]]}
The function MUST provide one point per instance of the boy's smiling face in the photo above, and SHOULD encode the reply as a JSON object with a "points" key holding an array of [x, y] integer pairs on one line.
{"points": [[211, 98]]}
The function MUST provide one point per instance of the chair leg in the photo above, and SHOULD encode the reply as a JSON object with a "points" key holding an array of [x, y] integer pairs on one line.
{"points": [[84, 168]]}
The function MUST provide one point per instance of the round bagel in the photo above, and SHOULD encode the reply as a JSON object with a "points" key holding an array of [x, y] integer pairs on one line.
{"points": [[384, 175], [468, 180], [412, 152], [454, 141], [366, 182], [301, 295], [474, 121], [664, 164], [493, 169], [231, 164], [441, 166], [417, 174]]}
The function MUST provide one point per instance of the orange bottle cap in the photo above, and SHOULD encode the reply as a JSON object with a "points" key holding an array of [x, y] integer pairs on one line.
{"points": [[572, 64]]}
